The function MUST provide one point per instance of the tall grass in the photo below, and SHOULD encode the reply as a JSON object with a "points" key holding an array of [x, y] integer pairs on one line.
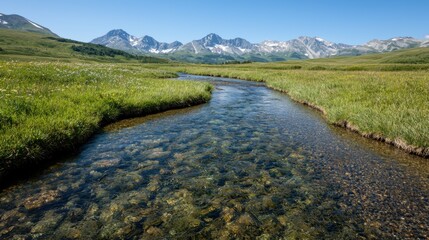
{"points": [[389, 105], [46, 108]]}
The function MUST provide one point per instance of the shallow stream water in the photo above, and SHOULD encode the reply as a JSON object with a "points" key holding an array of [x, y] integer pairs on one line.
{"points": [[249, 164]]}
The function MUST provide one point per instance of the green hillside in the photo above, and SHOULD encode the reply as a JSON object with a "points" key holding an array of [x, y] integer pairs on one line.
{"points": [[29, 46], [402, 60], [20, 23], [405, 56]]}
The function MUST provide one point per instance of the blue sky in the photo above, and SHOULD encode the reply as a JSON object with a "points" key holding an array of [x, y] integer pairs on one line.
{"points": [[352, 22]]}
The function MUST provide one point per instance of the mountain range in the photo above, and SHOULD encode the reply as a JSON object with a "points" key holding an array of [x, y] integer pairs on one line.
{"points": [[212, 47], [17, 22]]}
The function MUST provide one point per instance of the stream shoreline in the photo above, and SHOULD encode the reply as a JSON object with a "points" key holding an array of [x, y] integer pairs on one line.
{"points": [[13, 171], [397, 143]]}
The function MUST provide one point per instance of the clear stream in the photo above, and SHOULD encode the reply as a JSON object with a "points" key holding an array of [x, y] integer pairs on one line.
{"points": [[249, 164]]}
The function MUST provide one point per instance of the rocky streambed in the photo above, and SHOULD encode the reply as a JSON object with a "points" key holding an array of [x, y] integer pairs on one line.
{"points": [[249, 164]]}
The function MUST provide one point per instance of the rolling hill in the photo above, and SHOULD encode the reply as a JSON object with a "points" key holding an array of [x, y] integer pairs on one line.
{"points": [[21, 23], [23, 45]]}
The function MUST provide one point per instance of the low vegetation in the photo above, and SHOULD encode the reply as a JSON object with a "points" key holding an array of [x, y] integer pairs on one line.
{"points": [[51, 107]]}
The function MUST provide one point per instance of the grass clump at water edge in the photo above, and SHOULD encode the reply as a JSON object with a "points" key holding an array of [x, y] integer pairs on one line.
{"points": [[48, 108]]}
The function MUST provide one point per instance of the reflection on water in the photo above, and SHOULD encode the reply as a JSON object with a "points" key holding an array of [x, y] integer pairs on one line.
{"points": [[251, 163]]}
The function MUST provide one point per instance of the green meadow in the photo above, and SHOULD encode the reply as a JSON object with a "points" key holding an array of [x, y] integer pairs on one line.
{"points": [[50, 106]]}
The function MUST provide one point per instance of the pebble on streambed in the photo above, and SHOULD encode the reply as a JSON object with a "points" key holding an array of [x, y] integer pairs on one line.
{"points": [[41, 199]]}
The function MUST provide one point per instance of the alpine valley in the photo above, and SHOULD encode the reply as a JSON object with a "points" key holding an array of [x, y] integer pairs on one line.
{"points": [[214, 49]]}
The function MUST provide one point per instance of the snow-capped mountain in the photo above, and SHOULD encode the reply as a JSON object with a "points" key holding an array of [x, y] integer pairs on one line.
{"points": [[393, 44], [378, 46], [310, 47], [17, 22], [237, 48], [213, 43], [119, 39]]}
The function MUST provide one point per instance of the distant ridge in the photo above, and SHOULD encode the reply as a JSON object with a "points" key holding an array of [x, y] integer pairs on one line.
{"points": [[213, 48]]}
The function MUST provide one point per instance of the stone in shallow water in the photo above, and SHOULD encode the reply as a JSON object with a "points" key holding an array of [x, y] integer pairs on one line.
{"points": [[149, 164], [153, 184], [228, 214], [40, 199], [69, 230], [89, 227], [156, 153], [14, 213], [95, 174], [179, 156], [6, 230], [49, 221], [154, 231], [106, 163], [114, 230], [282, 220], [268, 203], [245, 219]]}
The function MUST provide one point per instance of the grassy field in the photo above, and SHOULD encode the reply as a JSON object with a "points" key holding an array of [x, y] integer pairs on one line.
{"points": [[51, 107], [380, 96]]}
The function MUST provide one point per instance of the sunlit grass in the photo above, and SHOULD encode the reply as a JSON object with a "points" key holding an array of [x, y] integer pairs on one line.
{"points": [[46, 108], [391, 104]]}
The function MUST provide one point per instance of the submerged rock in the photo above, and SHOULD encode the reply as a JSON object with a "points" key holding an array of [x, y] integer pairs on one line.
{"points": [[40, 199], [154, 231], [106, 163], [245, 219], [228, 214], [49, 221], [149, 164], [156, 153]]}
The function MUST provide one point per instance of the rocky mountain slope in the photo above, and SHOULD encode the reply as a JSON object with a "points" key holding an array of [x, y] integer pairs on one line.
{"points": [[119, 39], [213, 45]]}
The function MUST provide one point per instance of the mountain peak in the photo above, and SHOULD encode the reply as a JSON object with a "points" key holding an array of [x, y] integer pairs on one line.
{"points": [[307, 38], [119, 39], [212, 36], [401, 38], [118, 32], [148, 38], [211, 40], [17, 22], [148, 43]]}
